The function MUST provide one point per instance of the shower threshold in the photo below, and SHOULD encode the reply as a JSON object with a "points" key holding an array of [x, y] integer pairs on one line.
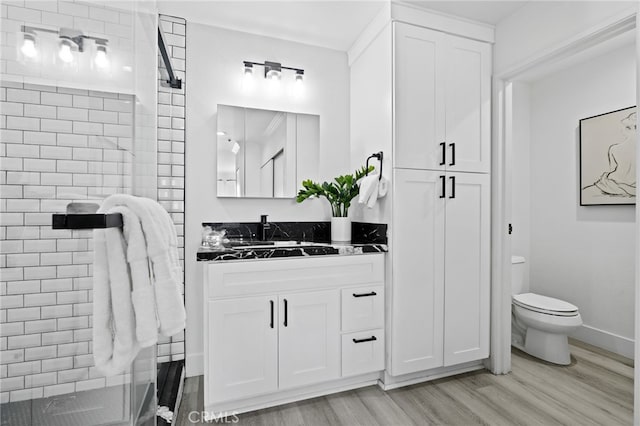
{"points": [[97, 407]]}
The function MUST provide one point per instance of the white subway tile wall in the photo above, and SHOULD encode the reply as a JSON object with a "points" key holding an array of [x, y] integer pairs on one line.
{"points": [[60, 145], [46, 163], [171, 153]]}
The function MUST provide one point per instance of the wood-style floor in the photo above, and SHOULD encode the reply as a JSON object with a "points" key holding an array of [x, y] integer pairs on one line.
{"points": [[596, 389]]}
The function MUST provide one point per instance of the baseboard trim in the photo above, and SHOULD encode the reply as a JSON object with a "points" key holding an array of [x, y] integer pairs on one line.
{"points": [[194, 364], [605, 340], [231, 408], [388, 382]]}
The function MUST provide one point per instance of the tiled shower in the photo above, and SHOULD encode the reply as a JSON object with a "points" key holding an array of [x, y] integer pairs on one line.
{"points": [[75, 134]]}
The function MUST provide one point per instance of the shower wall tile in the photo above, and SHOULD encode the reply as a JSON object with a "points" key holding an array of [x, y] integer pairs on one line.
{"points": [[53, 154], [171, 136]]}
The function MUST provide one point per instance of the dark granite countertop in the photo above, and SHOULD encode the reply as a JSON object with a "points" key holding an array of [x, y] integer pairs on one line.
{"points": [[291, 239], [303, 249]]}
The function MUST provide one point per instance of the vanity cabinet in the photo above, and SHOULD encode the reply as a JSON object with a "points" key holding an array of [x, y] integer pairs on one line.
{"points": [[287, 324], [309, 338], [242, 352], [442, 99]]}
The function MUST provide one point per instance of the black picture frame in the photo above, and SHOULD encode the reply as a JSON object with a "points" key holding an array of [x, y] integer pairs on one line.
{"points": [[607, 158]]}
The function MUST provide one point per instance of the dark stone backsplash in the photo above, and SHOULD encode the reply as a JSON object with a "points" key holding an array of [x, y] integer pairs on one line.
{"points": [[317, 232]]}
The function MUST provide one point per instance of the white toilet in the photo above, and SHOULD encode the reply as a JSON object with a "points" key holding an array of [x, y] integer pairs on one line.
{"points": [[539, 324]]}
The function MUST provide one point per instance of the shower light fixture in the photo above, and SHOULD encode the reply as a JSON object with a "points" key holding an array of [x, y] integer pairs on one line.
{"points": [[101, 59], [29, 48], [65, 51], [70, 41], [272, 70]]}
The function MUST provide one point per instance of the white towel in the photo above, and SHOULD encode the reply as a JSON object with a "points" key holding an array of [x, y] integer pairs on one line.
{"points": [[383, 187], [130, 311], [114, 342], [369, 190]]}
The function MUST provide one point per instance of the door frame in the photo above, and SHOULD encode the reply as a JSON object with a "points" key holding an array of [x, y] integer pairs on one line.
{"points": [[502, 137]]}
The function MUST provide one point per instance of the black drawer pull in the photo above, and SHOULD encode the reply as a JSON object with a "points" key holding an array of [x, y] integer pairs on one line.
{"points": [[370, 339], [373, 293], [444, 153]]}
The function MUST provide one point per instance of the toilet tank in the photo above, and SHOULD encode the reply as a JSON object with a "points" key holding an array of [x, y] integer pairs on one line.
{"points": [[517, 275]]}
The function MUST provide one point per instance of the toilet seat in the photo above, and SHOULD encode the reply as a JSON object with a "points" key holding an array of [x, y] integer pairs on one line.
{"points": [[545, 305]]}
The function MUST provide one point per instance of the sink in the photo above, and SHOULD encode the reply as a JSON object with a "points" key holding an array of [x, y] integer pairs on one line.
{"points": [[272, 244]]}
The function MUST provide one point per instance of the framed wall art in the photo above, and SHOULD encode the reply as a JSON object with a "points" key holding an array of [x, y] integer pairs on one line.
{"points": [[608, 158]]}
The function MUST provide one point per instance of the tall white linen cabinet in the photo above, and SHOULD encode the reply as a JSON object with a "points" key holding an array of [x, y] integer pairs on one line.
{"points": [[421, 93]]}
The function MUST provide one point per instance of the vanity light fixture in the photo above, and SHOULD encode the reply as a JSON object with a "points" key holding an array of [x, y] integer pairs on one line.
{"points": [[70, 41], [272, 70], [248, 69]]}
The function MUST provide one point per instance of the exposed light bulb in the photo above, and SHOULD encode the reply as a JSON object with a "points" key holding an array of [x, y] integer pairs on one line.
{"points": [[65, 51], [299, 76], [101, 59], [273, 75], [221, 133], [28, 48], [248, 69]]}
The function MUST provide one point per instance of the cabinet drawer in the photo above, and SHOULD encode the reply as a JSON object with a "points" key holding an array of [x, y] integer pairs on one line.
{"points": [[362, 352], [362, 308]]}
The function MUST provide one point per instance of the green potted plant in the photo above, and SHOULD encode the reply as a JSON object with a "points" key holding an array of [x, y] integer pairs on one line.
{"points": [[339, 194]]}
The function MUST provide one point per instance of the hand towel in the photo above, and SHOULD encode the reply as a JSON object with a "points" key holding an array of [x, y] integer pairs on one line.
{"points": [[383, 187], [368, 189]]}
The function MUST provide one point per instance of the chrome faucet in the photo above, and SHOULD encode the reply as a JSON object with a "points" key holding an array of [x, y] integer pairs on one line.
{"points": [[263, 228]]}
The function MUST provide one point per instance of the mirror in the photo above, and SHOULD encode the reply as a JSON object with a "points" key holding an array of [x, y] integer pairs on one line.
{"points": [[261, 152]]}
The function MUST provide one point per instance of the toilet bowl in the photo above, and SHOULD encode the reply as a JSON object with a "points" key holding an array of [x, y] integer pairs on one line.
{"points": [[540, 325]]}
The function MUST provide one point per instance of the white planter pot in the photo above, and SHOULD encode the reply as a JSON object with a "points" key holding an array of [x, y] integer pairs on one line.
{"points": [[340, 230]]}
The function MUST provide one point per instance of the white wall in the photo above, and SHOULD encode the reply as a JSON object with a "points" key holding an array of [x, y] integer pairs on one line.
{"points": [[540, 25], [584, 255], [521, 175], [215, 77]]}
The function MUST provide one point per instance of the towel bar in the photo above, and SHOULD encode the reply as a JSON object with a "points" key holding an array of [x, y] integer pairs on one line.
{"points": [[86, 220]]}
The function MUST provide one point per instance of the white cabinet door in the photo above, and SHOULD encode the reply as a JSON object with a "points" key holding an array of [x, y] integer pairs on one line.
{"points": [[418, 271], [309, 329], [467, 249], [243, 347], [468, 105], [419, 108]]}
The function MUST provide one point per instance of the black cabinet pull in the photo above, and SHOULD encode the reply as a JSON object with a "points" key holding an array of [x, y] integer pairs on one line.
{"points": [[271, 303], [442, 181], [444, 153], [373, 293], [453, 187], [370, 339], [453, 154], [286, 313]]}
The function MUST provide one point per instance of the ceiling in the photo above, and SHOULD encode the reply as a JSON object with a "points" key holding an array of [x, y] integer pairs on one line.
{"points": [[334, 24], [330, 24], [489, 12]]}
